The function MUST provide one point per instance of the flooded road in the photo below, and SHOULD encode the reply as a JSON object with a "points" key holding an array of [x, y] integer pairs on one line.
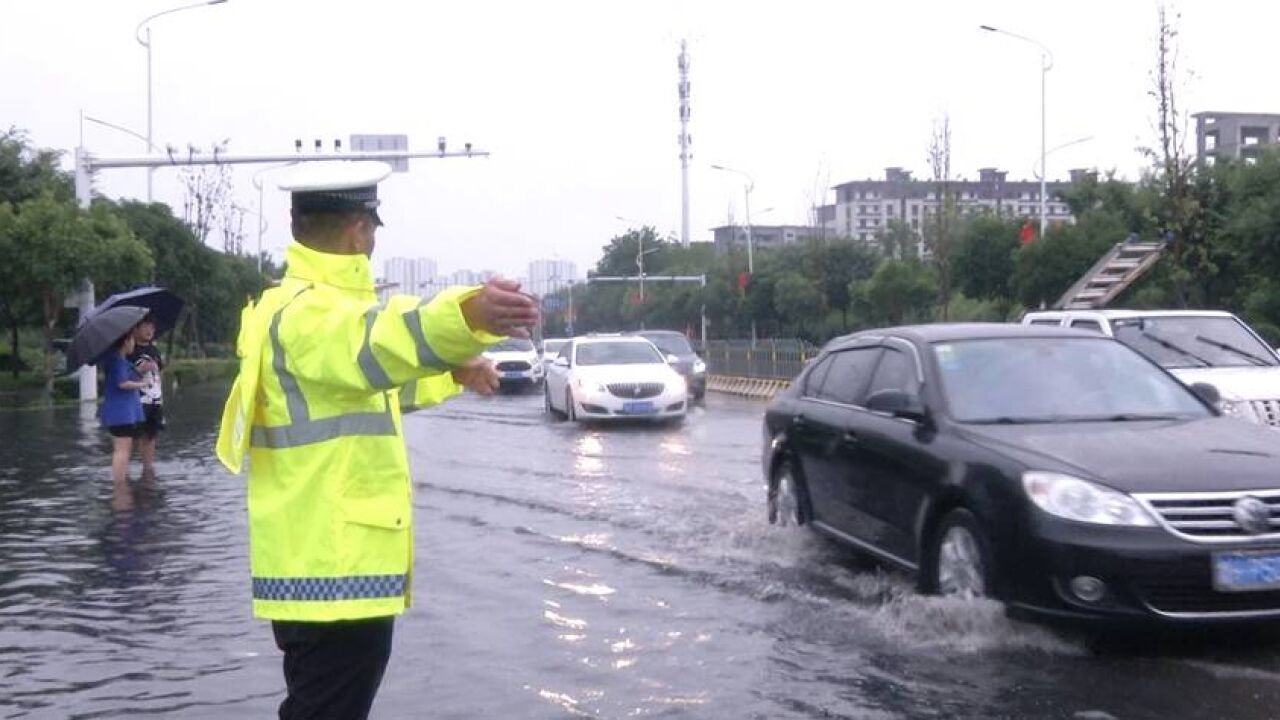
{"points": [[600, 572]]}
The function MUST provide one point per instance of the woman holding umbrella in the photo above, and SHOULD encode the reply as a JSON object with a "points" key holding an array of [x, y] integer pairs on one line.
{"points": [[121, 413], [106, 338]]}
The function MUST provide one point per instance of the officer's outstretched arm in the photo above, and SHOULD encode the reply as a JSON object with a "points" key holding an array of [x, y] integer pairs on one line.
{"points": [[384, 346]]}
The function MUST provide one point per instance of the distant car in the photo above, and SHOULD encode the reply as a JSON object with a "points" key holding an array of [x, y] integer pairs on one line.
{"points": [[517, 363], [550, 349], [1058, 471], [682, 358], [614, 377], [1206, 346]]}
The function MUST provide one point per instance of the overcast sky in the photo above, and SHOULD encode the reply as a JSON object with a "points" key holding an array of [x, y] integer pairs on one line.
{"points": [[577, 100]]}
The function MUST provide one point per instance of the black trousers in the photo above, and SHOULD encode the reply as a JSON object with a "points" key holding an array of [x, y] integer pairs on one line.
{"points": [[332, 669]]}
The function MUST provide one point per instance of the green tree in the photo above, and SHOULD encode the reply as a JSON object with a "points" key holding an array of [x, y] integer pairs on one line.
{"points": [[27, 173], [982, 260], [58, 246], [798, 301], [898, 291]]}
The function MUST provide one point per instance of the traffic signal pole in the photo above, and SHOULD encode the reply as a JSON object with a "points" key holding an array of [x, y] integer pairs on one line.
{"points": [[88, 163]]}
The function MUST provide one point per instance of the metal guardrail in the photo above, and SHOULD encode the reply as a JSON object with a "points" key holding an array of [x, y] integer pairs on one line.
{"points": [[772, 359]]}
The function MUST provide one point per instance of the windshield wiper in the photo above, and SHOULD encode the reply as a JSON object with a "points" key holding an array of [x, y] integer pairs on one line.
{"points": [[1165, 343], [1232, 348], [1009, 420], [1133, 417]]}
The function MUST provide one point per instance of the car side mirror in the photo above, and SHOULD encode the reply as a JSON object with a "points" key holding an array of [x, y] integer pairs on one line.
{"points": [[897, 403], [1207, 393], [561, 362]]}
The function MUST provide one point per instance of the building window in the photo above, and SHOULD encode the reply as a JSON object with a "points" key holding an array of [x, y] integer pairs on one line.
{"points": [[915, 224], [915, 211], [888, 209]]}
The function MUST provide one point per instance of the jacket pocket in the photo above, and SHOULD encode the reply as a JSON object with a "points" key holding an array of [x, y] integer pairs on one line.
{"points": [[376, 512]]}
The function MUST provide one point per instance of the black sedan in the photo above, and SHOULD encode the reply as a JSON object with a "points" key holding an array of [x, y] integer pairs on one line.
{"points": [[681, 356], [1057, 471]]}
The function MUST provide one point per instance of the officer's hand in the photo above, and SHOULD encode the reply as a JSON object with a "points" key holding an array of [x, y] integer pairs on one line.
{"points": [[477, 375], [501, 309]]}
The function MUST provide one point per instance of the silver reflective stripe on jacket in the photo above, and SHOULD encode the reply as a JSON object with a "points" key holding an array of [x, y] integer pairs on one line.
{"points": [[426, 356], [302, 430]]}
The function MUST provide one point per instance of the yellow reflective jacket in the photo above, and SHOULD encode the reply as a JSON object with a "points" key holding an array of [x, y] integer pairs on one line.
{"points": [[324, 369]]}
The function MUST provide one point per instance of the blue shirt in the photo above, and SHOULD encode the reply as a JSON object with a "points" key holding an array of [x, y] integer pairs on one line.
{"points": [[119, 406]]}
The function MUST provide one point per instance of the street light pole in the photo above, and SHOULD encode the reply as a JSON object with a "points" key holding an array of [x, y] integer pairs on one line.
{"points": [[1046, 64], [262, 221], [147, 44], [751, 267]]}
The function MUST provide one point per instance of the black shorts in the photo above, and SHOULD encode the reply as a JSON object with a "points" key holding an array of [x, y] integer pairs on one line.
{"points": [[126, 431], [153, 419]]}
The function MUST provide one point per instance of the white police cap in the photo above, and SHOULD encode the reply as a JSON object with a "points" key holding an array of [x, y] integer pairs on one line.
{"points": [[336, 185]]}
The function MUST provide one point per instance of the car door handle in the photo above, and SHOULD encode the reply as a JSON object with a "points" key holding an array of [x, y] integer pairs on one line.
{"points": [[799, 421], [851, 437]]}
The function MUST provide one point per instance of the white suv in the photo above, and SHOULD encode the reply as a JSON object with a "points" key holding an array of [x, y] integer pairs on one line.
{"points": [[1197, 346], [517, 363]]}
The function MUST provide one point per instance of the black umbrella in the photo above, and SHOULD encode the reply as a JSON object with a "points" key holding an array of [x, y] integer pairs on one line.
{"points": [[100, 332], [163, 305]]}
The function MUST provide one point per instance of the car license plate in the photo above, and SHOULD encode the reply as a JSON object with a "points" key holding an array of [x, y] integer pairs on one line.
{"points": [[637, 408], [513, 375], [1245, 571]]}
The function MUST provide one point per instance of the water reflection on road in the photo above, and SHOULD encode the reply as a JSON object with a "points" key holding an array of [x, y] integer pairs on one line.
{"points": [[562, 571]]}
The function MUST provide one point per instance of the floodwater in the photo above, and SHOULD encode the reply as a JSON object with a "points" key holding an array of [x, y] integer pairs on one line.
{"points": [[562, 572]]}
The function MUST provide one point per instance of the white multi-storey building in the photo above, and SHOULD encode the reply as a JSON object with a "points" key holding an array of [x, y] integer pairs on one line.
{"points": [[409, 276], [864, 209], [471, 277], [548, 276]]}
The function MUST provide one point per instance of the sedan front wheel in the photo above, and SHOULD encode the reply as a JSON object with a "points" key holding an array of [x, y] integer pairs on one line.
{"points": [[786, 499], [960, 558]]}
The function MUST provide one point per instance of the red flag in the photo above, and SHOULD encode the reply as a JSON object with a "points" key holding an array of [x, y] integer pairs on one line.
{"points": [[743, 278], [1026, 235]]}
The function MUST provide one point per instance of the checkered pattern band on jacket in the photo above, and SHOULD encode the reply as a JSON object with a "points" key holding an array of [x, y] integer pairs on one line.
{"points": [[328, 588]]}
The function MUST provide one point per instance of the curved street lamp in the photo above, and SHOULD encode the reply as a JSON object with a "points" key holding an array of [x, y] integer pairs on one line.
{"points": [[1046, 64], [137, 35]]}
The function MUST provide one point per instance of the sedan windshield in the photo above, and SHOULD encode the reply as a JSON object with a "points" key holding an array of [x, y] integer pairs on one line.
{"points": [[1030, 380], [513, 345], [673, 343], [1191, 342], [617, 353]]}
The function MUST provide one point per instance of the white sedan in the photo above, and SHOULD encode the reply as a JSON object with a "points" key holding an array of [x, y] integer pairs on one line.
{"points": [[614, 377]]}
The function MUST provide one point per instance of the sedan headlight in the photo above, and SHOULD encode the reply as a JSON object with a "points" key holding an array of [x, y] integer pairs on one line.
{"points": [[589, 385], [1071, 498], [699, 367], [1238, 408]]}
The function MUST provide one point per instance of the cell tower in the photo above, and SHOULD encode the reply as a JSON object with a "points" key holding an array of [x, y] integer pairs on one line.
{"points": [[685, 141]]}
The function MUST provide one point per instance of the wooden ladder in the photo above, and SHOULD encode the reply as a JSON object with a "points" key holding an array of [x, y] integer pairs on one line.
{"points": [[1111, 275]]}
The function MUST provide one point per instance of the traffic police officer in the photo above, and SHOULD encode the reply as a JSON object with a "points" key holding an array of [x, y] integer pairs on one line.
{"points": [[325, 373]]}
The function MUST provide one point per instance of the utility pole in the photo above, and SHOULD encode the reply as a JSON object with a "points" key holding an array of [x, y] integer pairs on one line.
{"points": [[87, 164], [685, 142]]}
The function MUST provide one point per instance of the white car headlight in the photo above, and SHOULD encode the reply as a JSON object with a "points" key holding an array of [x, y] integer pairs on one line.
{"points": [[1238, 408], [1071, 498], [589, 385], [699, 367]]}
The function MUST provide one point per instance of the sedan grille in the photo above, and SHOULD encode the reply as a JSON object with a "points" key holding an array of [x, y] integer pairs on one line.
{"points": [[635, 391], [1268, 411], [1218, 517], [513, 366]]}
